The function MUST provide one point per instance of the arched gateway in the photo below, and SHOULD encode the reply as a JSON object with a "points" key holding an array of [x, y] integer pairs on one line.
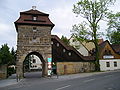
{"points": [[33, 37]]}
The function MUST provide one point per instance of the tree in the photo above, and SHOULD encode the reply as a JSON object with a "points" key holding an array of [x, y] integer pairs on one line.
{"points": [[65, 40], [13, 53], [5, 55], [113, 31], [93, 12]]}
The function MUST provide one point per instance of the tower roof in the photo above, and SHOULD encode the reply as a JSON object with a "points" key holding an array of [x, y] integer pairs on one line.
{"points": [[34, 17]]}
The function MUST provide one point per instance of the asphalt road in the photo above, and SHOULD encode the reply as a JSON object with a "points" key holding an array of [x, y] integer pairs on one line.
{"points": [[105, 81]]}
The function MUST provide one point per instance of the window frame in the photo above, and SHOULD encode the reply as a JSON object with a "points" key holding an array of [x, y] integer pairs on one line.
{"points": [[107, 64], [115, 63]]}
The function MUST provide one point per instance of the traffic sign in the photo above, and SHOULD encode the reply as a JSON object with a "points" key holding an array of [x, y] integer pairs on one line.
{"points": [[49, 59]]}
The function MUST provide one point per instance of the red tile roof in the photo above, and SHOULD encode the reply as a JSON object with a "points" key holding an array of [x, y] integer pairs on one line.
{"points": [[26, 18]]}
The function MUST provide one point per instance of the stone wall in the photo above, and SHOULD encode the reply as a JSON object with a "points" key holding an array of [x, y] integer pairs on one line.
{"points": [[3, 71], [74, 67], [33, 39]]}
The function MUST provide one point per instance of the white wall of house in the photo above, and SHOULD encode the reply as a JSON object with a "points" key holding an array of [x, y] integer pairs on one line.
{"points": [[103, 64], [79, 47], [37, 64]]}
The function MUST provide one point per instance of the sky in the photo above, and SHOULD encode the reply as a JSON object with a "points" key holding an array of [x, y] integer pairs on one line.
{"points": [[60, 13]]}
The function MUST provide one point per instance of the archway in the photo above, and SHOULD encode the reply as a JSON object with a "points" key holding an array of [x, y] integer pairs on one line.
{"points": [[33, 65]]}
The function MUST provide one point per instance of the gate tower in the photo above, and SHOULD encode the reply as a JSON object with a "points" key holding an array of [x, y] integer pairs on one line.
{"points": [[33, 37]]}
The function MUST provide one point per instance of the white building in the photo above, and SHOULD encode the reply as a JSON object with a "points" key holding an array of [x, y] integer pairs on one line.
{"points": [[35, 62], [109, 59], [79, 47]]}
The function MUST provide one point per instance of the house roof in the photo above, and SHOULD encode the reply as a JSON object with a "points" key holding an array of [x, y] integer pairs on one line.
{"points": [[72, 49], [34, 12], [116, 47], [26, 18], [80, 43]]}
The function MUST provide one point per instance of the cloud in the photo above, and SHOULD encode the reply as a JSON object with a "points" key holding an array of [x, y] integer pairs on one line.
{"points": [[7, 35], [63, 19], [60, 14]]}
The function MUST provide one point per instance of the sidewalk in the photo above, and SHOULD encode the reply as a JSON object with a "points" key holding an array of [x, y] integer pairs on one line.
{"points": [[73, 76], [79, 75], [7, 82]]}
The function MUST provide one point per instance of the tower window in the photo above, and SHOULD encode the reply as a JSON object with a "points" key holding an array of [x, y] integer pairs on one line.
{"points": [[34, 18], [34, 29]]}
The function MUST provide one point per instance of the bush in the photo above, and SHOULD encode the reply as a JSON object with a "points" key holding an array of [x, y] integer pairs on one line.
{"points": [[10, 71]]}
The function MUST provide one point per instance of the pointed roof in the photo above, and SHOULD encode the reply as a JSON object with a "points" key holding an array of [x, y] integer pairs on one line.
{"points": [[103, 44], [26, 18], [34, 12], [116, 47]]}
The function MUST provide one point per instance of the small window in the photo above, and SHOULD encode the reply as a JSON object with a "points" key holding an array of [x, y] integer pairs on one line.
{"points": [[34, 29], [34, 18], [64, 50], [107, 64], [57, 44], [34, 61], [115, 64], [69, 53]]}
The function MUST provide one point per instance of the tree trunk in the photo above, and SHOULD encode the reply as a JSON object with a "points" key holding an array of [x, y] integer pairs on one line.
{"points": [[97, 65]]}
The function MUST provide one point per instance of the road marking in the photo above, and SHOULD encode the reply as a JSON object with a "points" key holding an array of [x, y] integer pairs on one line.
{"points": [[63, 87], [108, 76], [89, 80]]}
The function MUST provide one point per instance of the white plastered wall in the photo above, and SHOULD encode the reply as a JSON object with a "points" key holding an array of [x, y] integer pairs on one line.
{"points": [[103, 66]]}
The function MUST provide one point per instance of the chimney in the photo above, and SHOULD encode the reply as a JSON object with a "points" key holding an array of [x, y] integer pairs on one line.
{"points": [[34, 7]]}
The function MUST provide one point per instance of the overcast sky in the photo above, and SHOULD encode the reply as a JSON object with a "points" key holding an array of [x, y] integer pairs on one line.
{"points": [[60, 12]]}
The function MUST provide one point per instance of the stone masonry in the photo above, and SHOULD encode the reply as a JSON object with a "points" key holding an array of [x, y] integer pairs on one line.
{"points": [[34, 37]]}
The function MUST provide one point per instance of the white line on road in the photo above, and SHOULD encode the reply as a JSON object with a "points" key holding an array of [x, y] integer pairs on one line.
{"points": [[108, 76], [89, 80], [63, 87]]}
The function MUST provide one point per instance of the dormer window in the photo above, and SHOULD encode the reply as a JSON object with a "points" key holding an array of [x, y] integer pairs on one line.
{"points": [[34, 18], [69, 53], [57, 44], [63, 50]]}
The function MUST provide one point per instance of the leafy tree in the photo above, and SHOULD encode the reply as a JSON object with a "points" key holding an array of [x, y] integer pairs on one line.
{"points": [[65, 40], [113, 31], [5, 55], [93, 11], [13, 53]]}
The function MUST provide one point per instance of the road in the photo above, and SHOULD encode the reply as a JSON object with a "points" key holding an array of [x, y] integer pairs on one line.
{"points": [[104, 81]]}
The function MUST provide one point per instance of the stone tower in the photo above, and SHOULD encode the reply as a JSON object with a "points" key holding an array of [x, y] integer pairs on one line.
{"points": [[33, 37]]}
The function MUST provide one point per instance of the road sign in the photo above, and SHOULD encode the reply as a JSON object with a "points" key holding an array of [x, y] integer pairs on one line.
{"points": [[49, 72], [49, 59], [49, 66]]}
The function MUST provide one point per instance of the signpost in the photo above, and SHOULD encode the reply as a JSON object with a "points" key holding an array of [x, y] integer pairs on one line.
{"points": [[49, 66]]}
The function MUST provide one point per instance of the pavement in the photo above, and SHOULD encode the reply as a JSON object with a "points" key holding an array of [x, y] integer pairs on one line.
{"points": [[12, 79], [7, 82]]}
